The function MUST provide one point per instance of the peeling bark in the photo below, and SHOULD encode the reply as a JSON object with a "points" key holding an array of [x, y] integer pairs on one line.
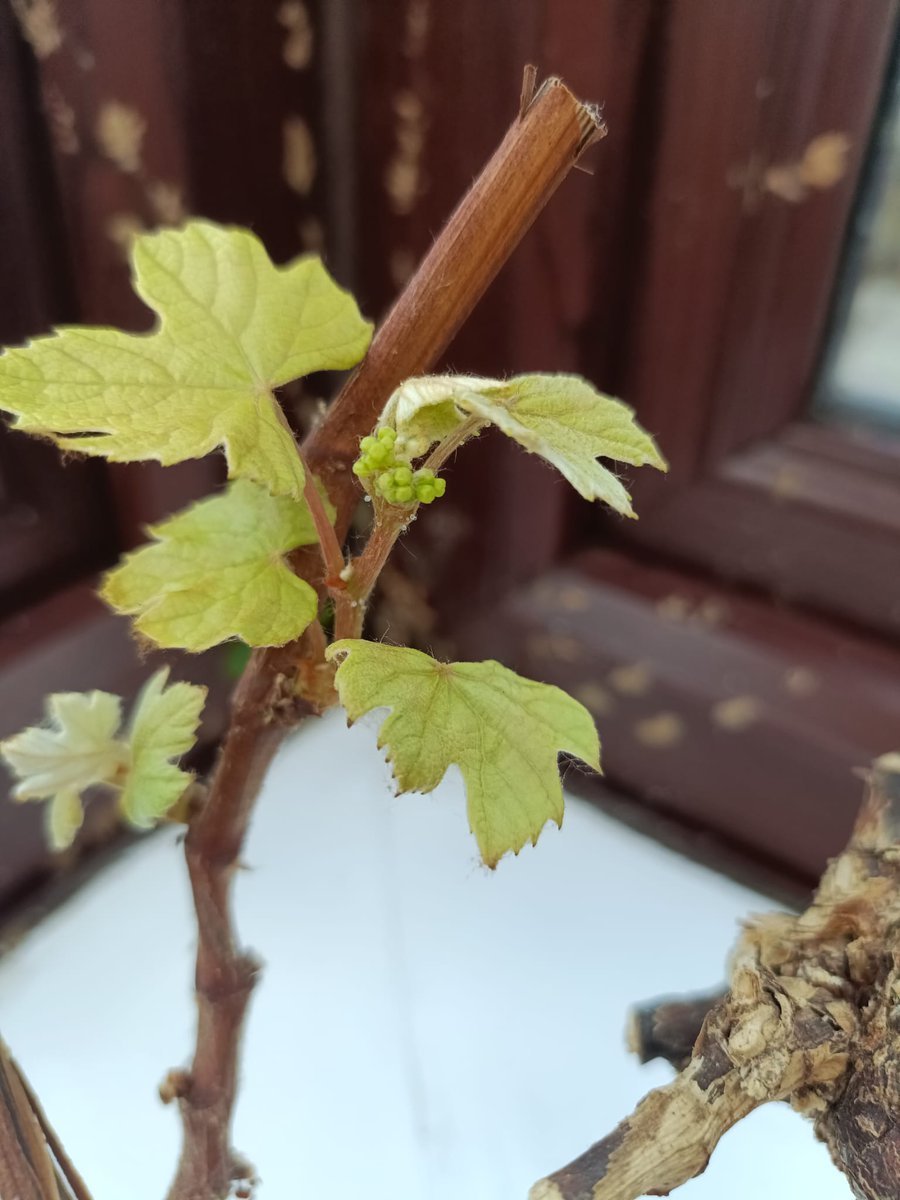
{"points": [[812, 1016]]}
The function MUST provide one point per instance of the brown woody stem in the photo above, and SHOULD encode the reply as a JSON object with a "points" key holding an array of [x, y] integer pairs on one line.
{"points": [[365, 569], [278, 687]]}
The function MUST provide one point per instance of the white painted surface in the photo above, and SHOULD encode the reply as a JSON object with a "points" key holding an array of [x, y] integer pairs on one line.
{"points": [[425, 1029]]}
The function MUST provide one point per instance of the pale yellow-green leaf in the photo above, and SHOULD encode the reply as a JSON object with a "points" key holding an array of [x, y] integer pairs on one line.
{"points": [[163, 726], [232, 326], [217, 571], [560, 417], [77, 746], [74, 750], [81, 746], [63, 817], [423, 410], [502, 731]]}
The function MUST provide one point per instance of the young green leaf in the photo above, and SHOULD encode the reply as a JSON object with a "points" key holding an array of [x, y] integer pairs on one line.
{"points": [[424, 410], [217, 571], [81, 746], [57, 762], [163, 726], [502, 731], [560, 417], [232, 327]]}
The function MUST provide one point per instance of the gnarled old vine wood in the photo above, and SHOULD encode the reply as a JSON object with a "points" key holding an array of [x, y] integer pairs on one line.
{"points": [[812, 1016]]}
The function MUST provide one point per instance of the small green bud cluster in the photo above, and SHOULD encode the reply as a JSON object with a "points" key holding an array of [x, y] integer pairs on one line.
{"points": [[376, 453], [403, 485], [383, 457]]}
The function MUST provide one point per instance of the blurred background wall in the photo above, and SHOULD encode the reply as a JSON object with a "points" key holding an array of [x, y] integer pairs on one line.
{"points": [[728, 263]]}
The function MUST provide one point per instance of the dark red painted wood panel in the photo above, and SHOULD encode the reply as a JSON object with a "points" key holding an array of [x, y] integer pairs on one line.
{"points": [[737, 282]]}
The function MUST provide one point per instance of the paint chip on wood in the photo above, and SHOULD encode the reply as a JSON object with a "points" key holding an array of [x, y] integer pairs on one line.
{"points": [[39, 22], [737, 713], [573, 599], [297, 50], [660, 732], [63, 124], [120, 130], [401, 263], [415, 37], [674, 607], [801, 681], [631, 679], [713, 611], [786, 483], [554, 645], [403, 173], [595, 698], [312, 235], [122, 228], [565, 648], [167, 202], [299, 155], [822, 165]]}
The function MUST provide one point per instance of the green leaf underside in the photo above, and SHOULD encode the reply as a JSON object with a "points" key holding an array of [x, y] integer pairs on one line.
{"points": [[80, 746], [163, 727], [502, 731], [232, 326], [217, 571], [559, 417]]}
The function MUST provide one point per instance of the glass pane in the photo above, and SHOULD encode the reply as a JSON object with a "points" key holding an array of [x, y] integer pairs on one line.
{"points": [[863, 376]]}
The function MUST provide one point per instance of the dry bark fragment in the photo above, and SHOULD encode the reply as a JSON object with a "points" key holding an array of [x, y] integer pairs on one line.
{"points": [[669, 1028]]}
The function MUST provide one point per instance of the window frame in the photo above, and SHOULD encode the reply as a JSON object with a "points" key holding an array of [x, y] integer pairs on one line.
{"points": [[726, 346]]}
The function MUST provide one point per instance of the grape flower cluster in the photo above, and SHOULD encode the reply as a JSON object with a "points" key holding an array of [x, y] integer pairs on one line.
{"points": [[384, 458]]}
